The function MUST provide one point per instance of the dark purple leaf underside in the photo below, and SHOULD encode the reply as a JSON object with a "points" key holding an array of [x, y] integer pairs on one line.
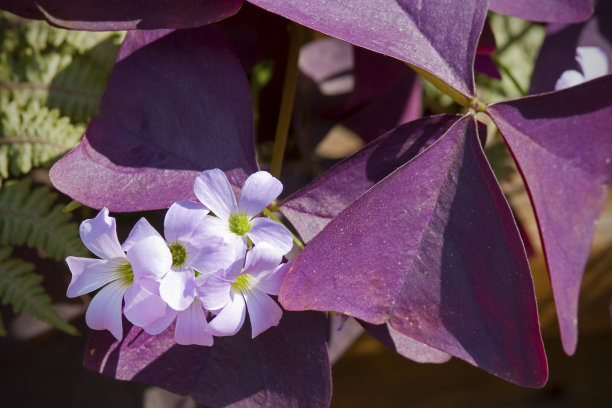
{"points": [[314, 206], [438, 36], [109, 15], [286, 366], [177, 103], [433, 250], [552, 11], [558, 53], [562, 143]]}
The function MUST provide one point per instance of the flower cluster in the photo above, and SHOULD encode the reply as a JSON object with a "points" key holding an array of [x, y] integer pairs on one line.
{"points": [[223, 263]]}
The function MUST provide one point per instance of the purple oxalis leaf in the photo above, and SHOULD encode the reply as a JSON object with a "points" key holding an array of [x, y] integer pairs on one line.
{"points": [[314, 206], [550, 11], [558, 53], [286, 366], [176, 103], [437, 36], [110, 15], [562, 144], [433, 250]]}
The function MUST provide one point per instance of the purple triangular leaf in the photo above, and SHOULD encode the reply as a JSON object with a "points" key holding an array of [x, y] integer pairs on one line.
{"points": [[286, 366], [314, 206], [437, 36], [404, 345], [558, 53], [105, 15], [549, 11], [562, 144], [177, 103], [433, 250]]}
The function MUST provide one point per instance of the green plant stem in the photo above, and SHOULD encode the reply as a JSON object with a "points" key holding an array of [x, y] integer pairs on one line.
{"points": [[288, 96], [506, 70], [273, 217]]}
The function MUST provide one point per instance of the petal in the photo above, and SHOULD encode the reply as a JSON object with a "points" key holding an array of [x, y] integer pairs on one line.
{"points": [[271, 283], [214, 191], [259, 190], [263, 311], [89, 274], [182, 218], [150, 258], [104, 311], [213, 226], [231, 318], [275, 234], [162, 323], [210, 254], [569, 78], [177, 288], [263, 258], [593, 61], [141, 230], [143, 305], [99, 235], [191, 326], [215, 292]]}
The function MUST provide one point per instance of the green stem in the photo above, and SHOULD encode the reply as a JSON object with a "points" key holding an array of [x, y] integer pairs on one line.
{"points": [[286, 107], [506, 71], [273, 217]]}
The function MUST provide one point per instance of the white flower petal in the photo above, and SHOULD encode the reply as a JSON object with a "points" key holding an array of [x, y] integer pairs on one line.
{"points": [[182, 218], [231, 318], [99, 235], [271, 283], [271, 232], [214, 191], [569, 78], [89, 274], [191, 326], [259, 190], [215, 292], [141, 230], [143, 305], [104, 311], [150, 257], [162, 324], [593, 61], [263, 311], [263, 258], [177, 288], [211, 254]]}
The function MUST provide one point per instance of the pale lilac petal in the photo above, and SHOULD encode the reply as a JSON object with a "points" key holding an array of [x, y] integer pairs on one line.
{"points": [[259, 190], [275, 234], [263, 258], [263, 311], [210, 255], [104, 311], [214, 191], [143, 305], [182, 218], [89, 274], [569, 78], [99, 235], [231, 318], [213, 226], [141, 230], [177, 288], [271, 283], [214, 293], [162, 324], [191, 326], [150, 258], [593, 61]]}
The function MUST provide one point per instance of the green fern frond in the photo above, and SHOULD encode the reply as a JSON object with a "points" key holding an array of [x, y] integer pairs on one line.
{"points": [[33, 136], [21, 288], [57, 68], [29, 217]]}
